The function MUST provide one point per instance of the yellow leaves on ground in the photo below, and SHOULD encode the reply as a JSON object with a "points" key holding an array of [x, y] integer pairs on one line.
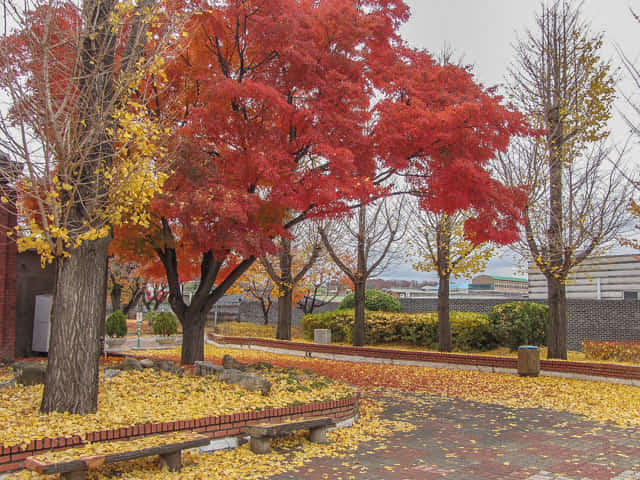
{"points": [[598, 401], [288, 453], [150, 397], [107, 448]]}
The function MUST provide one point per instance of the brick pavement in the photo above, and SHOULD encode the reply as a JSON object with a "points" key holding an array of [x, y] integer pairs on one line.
{"points": [[456, 439]]}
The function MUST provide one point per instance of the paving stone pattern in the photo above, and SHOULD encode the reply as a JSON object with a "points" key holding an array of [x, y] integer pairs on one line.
{"points": [[457, 440]]}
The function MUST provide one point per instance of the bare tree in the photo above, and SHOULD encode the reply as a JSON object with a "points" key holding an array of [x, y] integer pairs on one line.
{"points": [[369, 237], [294, 259], [124, 279], [318, 285], [595, 196], [68, 72], [567, 90]]}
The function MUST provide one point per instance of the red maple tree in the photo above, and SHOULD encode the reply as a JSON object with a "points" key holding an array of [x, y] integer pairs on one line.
{"points": [[286, 110]]}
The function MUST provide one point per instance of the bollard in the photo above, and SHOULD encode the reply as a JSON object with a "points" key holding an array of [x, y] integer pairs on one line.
{"points": [[322, 336], [528, 361]]}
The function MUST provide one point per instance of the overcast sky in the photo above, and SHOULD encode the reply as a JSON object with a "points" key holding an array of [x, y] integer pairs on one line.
{"points": [[483, 32]]}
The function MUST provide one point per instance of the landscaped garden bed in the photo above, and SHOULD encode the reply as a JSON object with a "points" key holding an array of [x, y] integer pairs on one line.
{"points": [[153, 396]]}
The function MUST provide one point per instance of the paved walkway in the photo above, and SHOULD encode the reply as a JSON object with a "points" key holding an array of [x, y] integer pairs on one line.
{"points": [[457, 439]]}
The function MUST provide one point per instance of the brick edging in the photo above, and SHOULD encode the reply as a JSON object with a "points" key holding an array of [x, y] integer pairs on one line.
{"points": [[214, 427], [607, 370]]}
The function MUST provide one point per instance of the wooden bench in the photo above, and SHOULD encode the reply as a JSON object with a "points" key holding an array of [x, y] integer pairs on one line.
{"points": [[262, 433], [75, 468]]}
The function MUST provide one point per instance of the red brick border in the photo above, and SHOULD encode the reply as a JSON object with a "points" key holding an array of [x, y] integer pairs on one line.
{"points": [[214, 427], [609, 370]]}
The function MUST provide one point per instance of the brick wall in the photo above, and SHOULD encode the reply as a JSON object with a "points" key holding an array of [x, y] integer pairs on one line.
{"points": [[11, 457], [588, 319], [8, 253], [607, 370]]}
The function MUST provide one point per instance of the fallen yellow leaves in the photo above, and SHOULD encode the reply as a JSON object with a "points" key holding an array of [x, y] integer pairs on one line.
{"points": [[288, 453], [598, 401], [107, 448], [154, 396]]}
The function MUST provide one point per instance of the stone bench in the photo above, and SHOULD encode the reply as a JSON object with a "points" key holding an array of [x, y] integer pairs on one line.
{"points": [[262, 433], [75, 467]]}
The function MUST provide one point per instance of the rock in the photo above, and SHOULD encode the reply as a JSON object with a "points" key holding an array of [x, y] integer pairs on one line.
{"points": [[130, 363], [231, 363], [204, 369], [168, 366], [261, 366], [32, 374], [8, 384], [254, 383], [111, 372], [147, 363]]}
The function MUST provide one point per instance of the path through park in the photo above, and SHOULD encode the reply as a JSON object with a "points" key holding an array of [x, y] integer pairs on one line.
{"points": [[457, 440]]}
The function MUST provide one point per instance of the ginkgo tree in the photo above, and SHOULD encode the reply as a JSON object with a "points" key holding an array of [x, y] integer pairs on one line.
{"points": [[576, 193], [90, 158], [440, 245]]}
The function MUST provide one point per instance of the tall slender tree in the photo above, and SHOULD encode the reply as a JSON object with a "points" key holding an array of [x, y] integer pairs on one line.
{"points": [[567, 91], [370, 236], [295, 257], [439, 244]]}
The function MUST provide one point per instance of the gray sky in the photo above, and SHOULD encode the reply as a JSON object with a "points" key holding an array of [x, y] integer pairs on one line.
{"points": [[483, 31]]}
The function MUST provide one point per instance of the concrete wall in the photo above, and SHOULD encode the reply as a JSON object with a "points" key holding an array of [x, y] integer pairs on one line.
{"points": [[251, 312], [588, 319]]}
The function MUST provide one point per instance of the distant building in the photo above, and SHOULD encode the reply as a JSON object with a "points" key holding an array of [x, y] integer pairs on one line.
{"points": [[604, 278], [508, 286]]}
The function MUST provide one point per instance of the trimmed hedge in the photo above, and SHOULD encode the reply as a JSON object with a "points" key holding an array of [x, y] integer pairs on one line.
{"points": [[469, 331], [520, 323], [374, 300]]}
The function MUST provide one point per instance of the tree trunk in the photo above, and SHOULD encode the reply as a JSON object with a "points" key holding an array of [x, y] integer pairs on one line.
{"points": [[193, 324], [285, 285], [358, 321], [285, 305], [444, 326], [116, 297], [77, 318], [557, 298], [265, 311]]}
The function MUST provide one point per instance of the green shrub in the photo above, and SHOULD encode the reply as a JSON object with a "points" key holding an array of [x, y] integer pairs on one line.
{"points": [[165, 324], [520, 323], [469, 331], [374, 300], [340, 322], [151, 316], [116, 324]]}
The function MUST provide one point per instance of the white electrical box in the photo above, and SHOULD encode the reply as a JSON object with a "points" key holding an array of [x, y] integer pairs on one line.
{"points": [[41, 323]]}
